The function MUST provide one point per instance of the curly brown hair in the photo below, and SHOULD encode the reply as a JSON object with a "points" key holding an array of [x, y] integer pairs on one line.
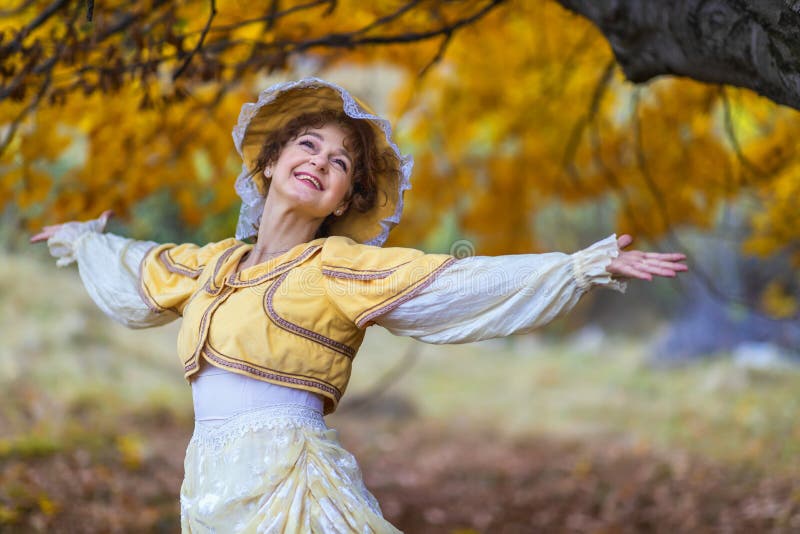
{"points": [[369, 159]]}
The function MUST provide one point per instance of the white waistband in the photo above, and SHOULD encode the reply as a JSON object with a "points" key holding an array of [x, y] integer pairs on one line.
{"points": [[219, 395], [215, 434]]}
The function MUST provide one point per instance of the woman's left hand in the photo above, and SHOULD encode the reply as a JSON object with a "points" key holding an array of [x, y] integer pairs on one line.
{"points": [[49, 231], [643, 265]]}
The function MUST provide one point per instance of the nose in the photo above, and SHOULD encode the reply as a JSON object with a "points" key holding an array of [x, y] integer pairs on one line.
{"points": [[318, 161]]}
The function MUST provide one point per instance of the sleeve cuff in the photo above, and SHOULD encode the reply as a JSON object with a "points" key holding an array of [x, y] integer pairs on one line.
{"points": [[63, 245], [589, 266]]}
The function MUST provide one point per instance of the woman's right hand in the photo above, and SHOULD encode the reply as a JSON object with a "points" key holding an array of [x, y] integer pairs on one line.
{"points": [[645, 265], [49, 231]]}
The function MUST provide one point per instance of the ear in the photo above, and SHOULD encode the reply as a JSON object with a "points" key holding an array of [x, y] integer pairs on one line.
{"points": [[341, 208], [262, 182]]}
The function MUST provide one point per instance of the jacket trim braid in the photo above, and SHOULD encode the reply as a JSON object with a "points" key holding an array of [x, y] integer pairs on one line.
{"points": [[390, 303], [211, 286], [279, 321], [234, 280], [204, 328], [144, 293], [178, 268], [218, 359], [351, 273]]}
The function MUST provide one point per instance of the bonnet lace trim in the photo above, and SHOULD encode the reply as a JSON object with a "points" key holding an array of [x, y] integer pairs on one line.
{"points": [[253, 201]]}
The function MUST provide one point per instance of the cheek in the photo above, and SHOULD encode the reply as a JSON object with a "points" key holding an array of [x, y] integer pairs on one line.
{"points": [[343, 185]]}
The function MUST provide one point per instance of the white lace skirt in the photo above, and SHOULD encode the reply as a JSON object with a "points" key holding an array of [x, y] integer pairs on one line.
{"points": [[274, 469]]}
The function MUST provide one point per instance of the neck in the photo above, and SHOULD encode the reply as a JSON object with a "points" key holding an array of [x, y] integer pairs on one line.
{"points": [[280, 229]]}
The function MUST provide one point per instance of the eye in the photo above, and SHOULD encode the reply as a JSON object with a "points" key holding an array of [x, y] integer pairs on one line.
{"points": [[341, 163], [307, 143]]}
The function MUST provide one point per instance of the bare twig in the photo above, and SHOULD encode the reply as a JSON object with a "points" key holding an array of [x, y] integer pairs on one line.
{"points": [[705, 278], [438, 56], [568, 160], [611, 177], [389, 18], [89, 10], [267, 17], [641, 161], [568, 69], [185, 64], [77, 77], [15, 123], [10, 12], [46, 13], [273, 9], [730, 131], [350, 40]]}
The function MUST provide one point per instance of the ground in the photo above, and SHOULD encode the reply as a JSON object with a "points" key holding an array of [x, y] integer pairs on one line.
{"points": [[427, 477], [577, 433]]}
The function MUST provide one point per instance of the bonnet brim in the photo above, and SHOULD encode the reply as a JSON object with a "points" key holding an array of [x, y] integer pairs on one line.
{"points": [[279, 104]]}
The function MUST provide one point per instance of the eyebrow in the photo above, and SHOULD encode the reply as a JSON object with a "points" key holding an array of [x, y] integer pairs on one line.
{"points": [[342, 151]]}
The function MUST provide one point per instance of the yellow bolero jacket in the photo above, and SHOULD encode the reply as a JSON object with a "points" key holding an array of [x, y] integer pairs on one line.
{"points": [[296, 320]]}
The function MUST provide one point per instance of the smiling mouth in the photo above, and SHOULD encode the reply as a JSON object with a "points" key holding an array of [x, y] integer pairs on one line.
{"points": [[310, 179]]}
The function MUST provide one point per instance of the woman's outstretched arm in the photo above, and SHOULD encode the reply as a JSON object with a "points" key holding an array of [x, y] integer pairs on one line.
{"points": [[109, 268], [486, 297]]}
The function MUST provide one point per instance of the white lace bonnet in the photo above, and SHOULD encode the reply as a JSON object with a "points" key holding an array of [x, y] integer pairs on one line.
{"points": [[275, 107]]}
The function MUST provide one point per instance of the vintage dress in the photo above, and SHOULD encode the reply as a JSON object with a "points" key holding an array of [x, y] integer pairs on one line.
{"points": [[274, 466], [313, 300]]}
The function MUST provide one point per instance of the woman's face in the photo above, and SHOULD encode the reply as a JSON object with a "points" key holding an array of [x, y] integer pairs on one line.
{"points": [[314, 171]]}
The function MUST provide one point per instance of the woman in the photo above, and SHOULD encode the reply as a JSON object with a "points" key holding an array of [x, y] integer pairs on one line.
{"points": [[269, 330]]}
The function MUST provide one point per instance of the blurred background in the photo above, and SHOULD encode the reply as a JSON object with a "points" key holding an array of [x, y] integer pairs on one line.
{"points": [[673, 406]]}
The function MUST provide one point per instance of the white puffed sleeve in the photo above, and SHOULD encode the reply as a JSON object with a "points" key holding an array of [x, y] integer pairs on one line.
{"points": [[485, 297], [109, 268]]}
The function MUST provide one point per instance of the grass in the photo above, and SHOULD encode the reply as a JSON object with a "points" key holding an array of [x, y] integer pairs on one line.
{"points": [[525, 386], [66, 368], [68, 372]]}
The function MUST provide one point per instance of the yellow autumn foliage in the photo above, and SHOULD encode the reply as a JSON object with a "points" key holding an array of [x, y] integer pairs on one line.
{"points": [[515, 110]]}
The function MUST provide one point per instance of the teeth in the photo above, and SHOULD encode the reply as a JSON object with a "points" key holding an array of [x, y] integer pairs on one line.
{"points": [[316, 183]]}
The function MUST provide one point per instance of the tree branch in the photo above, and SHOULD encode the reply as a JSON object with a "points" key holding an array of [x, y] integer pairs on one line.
{"points": [[268, 17], [731, 133], [641, 161], [48, 12], [211, 15], [567, 161], [390, 17], [349, 40], [438, 56], [12, 11], [746, 43], [14, 125]]}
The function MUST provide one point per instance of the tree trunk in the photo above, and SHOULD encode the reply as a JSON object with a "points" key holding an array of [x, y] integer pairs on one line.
{"points": [[747, 43]]}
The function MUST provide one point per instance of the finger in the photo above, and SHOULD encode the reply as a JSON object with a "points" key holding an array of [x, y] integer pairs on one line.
{"points": [[46, 233], [660, 271], [669, 256], [632, 255], [105, 216], [41, 236], [633, 272], [624, 240], [667, 265], [668, 269]]}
